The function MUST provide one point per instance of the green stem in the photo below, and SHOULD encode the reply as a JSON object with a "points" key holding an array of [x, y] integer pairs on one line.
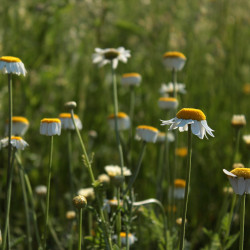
{"points": [[89, 167], [174, 80], [115, 100], [30, 193], [71, 176], [118, 220], [242, 221], [48, 195], [131, 115], [26, 207], [80, 230], [237, 143], [135, 174], [9, 189], [188, 173]]}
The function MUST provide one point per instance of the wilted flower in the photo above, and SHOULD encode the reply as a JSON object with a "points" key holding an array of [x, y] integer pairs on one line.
{"points": [[131, 79], [239, 179], [89, 193], [195, 117], [70, 105], [174, 60], [50, 126], [67, 123], [114, 170], [110, 55], [168, 103], [238, 121], [16, 142], [103, 178], [123, 121], [10, 64], [19, 125], [147, 133], [79, 201], [169, 88]]}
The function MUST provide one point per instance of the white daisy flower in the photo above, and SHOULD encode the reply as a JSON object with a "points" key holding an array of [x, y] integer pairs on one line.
{"points": [[131, 79], [114, 170], [238, 121], [166, 89], [19, 125], [89, 193], [179, 188], [168, 103], [10, 64], [239, 179], [147, 133], [50, 126], [67, 123], [16, 142], [131, 238], [41, 190], [174, 60], [187, 116], [110, 55], [123, 121]]}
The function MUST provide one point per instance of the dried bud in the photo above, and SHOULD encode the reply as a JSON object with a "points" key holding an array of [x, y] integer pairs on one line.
{"points": [[70, 105], [79, 201]]}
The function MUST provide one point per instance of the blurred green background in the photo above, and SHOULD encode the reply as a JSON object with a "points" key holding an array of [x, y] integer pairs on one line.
{"points": [[56, 39]]}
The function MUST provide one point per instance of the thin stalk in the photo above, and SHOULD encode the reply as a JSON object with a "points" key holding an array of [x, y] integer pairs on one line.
{"points": [[131, 115], [118, 220], [9, 190], [242, 221], [26, 208], [71, 177], [174, 80], [236, 145], [80, 230], [160, 171], [135, 174], [46, 222], [30, 194], [87, 163], [188, 173], [118, 141]]}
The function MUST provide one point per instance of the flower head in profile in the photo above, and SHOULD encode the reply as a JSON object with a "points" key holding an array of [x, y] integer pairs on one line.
{"points": [[131, 238], [168, 103], [238, 121], [147, 133], [195, 117], [123, 121], [10, 64], [174, 60], [110, 55], [19, 125], [166, 89], [179, 188], [50, 126], [131, 79], [67, 122], [239, 179], [16, 142], [161, 137], [41, 190]]}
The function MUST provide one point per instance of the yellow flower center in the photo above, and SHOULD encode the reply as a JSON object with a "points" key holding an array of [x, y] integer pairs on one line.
{"points": [[241, 172], [189, 113], [167, 99], [147, 128], [9, 59], [119, 115], [131, 75], [174, 54], [18, 138], [180, 183], [20, 119], [182, 152], [123, 235], [67, 115], [50, 120], [111, 54]]}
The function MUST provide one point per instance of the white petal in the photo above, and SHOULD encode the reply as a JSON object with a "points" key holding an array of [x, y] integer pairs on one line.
{"points": [[241, 185], [234, 184], [195, 127], [115, 63], [208, 129], [247, 188], [229, 173]]}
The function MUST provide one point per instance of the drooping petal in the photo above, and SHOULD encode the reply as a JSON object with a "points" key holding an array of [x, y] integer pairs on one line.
{"points": [[234, 184], [241, 185], [229, 173]]}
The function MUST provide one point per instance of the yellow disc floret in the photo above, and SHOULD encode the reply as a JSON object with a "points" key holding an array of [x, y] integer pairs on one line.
{"points": [[111, 54], [18, 138], [123, 234], [147, 128], [9, 59], [16, 119], [131, 75], [192, 114], [242, 172], [167, 99], [179, 183], [50, 120], [67, 115], [174, 54], [119, 115]]}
